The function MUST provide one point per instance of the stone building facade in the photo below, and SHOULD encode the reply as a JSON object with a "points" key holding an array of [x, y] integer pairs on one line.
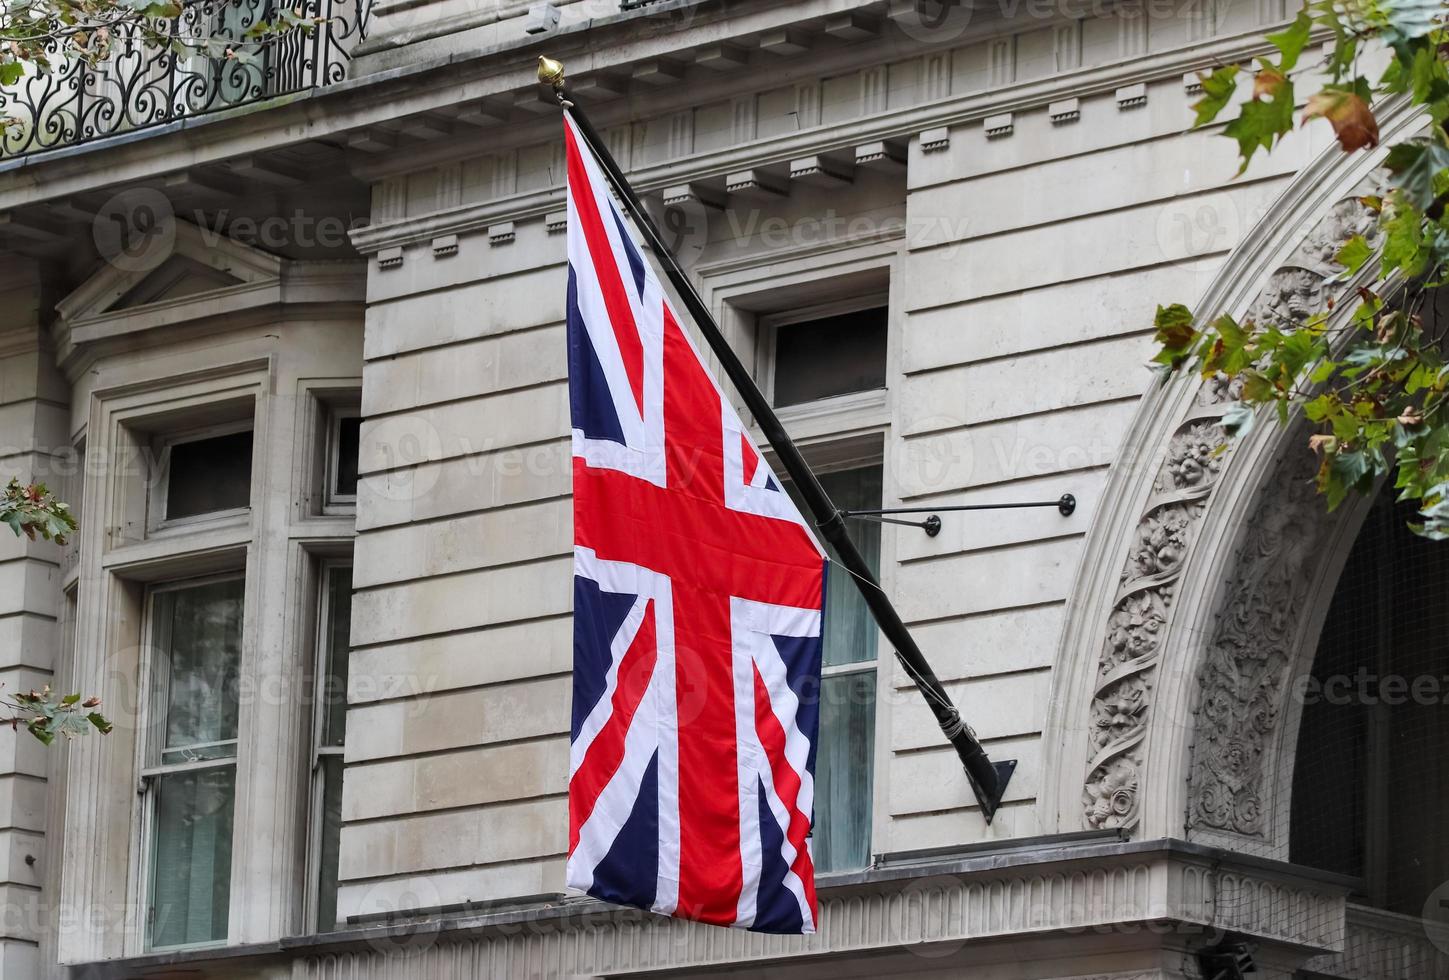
{"points": [[313, 418]]}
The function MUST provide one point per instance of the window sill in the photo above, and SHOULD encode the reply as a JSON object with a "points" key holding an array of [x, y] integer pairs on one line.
{"points": [[834, 419], [201, 552]]}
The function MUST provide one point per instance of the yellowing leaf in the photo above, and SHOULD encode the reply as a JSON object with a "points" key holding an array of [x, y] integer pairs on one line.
{"points": [[1267, 82], [1352, 120]]}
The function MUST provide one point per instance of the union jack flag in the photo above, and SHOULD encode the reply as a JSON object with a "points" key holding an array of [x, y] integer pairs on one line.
{"points": [[698, 595]]}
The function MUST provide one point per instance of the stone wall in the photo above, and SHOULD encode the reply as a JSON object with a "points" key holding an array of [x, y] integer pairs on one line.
{"points": [[1024, 252]]}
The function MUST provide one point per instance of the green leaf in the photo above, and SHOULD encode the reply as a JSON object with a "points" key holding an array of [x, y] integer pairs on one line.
{"points": [[1175, 333], [1412, 18], [1322, 407], [99, 722], [1353, 254], [11, 72], [1217, 89], [1297, 350], [1403, 242], [1414, 165], [41, 731], [1229, 353], [1346, 470], [1238, 420], [1427, 78], [1261, 122], [1293, 40]]}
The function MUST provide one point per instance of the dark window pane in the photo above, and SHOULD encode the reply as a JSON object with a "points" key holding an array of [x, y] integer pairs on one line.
{"points": [[331, 835], [348, 431], [844, 765], [337, 635], [834, 355], [208, 475]]}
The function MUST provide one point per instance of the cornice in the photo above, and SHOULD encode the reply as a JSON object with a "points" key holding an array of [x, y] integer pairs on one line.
{"points": [[445, 83], [904, 123], [1045, 888]]}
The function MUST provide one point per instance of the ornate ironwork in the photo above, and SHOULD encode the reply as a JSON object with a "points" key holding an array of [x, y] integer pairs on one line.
{"points": [[142, 84]]}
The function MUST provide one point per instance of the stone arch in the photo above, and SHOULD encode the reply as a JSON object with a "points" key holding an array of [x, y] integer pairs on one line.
{"points": [[1202, 585]]}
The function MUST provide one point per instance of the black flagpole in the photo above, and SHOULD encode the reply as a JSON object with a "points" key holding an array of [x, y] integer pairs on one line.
{"points": [[988, 779]]}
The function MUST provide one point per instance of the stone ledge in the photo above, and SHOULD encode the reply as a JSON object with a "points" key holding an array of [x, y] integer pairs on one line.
{"points": [[1163, 891]]}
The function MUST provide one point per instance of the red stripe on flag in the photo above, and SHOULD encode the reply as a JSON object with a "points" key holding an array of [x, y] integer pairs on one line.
{"points": [[606, 752], [605, 269]]}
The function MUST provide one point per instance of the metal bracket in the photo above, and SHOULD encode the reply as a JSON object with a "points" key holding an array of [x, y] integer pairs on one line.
{"points": [[989, 805], [1066, 505]]}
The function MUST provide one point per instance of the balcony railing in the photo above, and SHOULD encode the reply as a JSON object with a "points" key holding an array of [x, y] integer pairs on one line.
{"points": [[142, 84]]}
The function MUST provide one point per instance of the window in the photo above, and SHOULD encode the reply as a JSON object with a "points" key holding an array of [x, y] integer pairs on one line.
{"points": [[335, 444], [345, 437], [205, 475], [1371, 773], [189, 770], [828, 351], [844, 760], [329, 737]]}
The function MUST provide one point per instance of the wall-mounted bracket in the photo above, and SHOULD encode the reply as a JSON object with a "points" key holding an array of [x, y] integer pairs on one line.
{"points": [[1066, 505]]}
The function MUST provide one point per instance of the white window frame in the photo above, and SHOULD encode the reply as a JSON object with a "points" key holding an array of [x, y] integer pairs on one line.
{"points": [[844, 466], [316, 774], [754, 293], [838, 455], [156, 520], [334, 503], [148, 774]]}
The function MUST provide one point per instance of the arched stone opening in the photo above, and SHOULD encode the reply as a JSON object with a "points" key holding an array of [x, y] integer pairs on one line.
{"points": [[1202, 599], [1193, 601]]}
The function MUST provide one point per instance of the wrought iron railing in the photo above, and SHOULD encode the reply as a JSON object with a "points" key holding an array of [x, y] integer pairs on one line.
{"points": [[142, 83]]}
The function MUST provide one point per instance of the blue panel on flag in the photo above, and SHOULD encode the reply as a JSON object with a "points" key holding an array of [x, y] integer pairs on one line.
{"points": [[629, 873], [598, 615], [636, 263], [801, 655], [777, 909], [591, 406]]}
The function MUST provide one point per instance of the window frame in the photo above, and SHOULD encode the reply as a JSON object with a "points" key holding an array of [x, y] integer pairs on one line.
{"points": [[317, 750], [150, 715], [842, 456], [157, 523], [837, 432], [768, 326], [328, 401], [334, 503]]}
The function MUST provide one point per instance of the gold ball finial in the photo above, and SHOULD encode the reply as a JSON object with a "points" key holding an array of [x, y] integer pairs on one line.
{"points": [[550, 72]]}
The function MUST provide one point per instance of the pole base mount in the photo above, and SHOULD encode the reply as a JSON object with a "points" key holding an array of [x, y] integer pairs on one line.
{"points": [[990, 804]]}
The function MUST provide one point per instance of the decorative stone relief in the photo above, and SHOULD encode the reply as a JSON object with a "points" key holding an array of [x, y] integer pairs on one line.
{"points": [[1250, 655], [1138, 623], [1247, 662]]}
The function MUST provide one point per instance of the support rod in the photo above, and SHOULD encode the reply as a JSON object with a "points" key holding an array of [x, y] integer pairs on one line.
{"points": [[988, 780]]}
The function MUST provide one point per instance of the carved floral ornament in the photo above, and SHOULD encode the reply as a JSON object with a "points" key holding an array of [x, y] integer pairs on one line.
{"points": [[1249, 655]]}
